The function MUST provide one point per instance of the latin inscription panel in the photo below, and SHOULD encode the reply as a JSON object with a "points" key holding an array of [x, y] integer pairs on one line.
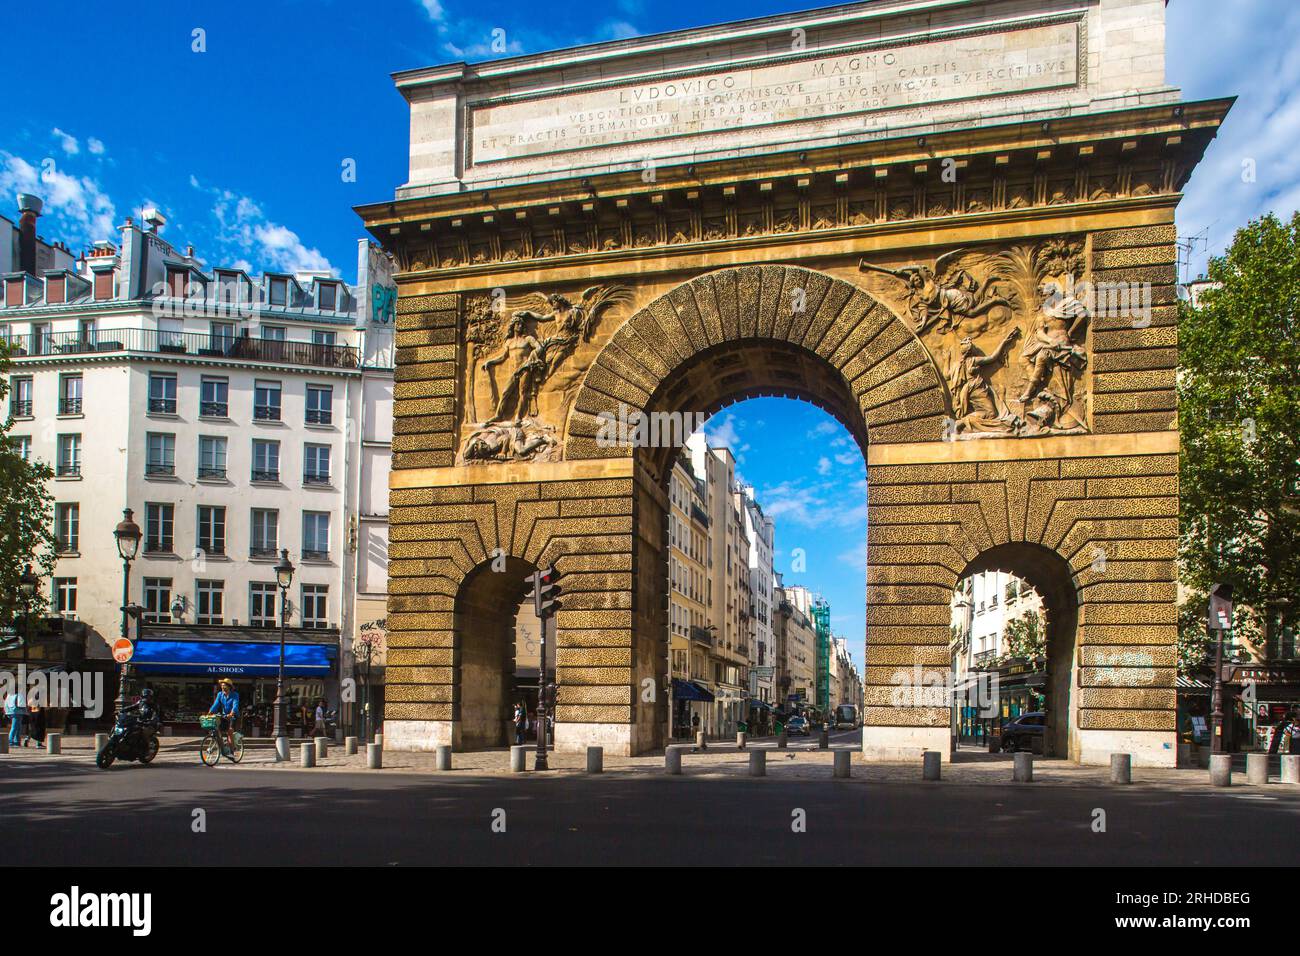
{"points": [[881, 79]]}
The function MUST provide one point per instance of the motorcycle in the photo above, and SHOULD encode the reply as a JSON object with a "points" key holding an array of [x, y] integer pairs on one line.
{"points": [[131, 739]]}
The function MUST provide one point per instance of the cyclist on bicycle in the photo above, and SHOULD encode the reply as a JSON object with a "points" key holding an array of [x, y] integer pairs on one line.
{"points": [[226, 705]]}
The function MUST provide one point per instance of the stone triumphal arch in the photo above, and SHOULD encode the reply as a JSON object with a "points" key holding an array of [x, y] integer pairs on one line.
{"points": [[949, 225]]}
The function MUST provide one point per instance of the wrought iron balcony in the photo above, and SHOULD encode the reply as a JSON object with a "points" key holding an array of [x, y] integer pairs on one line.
{"points": [[211, 471], [319, 416], [266, 413], [314, 478], [198, 344], [66, 469], [214, 409], [69, 406], [262, 551], [163, 406], [310, 554], [266, 474], [157, 469], [21, 408]]}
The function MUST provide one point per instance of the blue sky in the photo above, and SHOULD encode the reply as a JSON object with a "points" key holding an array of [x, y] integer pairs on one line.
{"points": [[109, 109]]}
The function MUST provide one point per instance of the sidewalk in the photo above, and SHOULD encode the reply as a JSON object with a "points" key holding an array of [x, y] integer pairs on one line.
{"points": [[720, 761]]}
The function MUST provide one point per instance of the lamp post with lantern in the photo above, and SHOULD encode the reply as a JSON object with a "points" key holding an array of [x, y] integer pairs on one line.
{"points": [[127, 534], [283, 578]]}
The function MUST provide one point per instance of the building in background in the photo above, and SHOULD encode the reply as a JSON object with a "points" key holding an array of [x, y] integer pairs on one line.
{"points": [[236, 415], [761, 531], [985, 605], [691, 629], [795, 636]]}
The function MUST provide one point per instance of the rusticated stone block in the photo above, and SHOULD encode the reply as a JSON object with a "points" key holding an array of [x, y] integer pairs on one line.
{"points": [[1133, 655], [433, 656], [589, 694], [906, 716], [403, 711], [922, 655], [1134, 236], [395, 693], [594, 675], [593, 714], [1127, 720], [1114, 698], [1126, 677]]}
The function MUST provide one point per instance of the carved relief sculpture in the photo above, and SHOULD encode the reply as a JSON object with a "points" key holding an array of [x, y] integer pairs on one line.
{"points": [[520, 367], [970, 306]]}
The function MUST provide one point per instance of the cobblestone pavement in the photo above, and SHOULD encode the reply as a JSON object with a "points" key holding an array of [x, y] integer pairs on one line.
{"points": [[719, 761]]}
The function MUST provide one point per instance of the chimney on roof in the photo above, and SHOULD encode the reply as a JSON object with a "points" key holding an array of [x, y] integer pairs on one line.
{"points": [[153, 219], [29, 208]]}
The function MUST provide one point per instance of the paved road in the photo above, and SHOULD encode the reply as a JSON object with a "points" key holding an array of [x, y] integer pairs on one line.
{"points": [[65, 812]]}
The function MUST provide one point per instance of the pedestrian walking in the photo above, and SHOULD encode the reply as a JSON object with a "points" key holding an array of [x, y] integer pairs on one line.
{"points": [[322, 719], [16, 711], [36, 725]]}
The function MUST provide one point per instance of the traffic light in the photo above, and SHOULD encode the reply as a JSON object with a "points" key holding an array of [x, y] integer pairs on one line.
{"points": [[545, 592]]}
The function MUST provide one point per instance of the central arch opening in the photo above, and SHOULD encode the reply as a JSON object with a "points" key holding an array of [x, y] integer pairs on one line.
{"points": [[762, 581]]}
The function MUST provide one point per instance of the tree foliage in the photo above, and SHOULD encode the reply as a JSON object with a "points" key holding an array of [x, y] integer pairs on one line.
{"points": [[1024, 638], [1239, 412], [26, 520]]}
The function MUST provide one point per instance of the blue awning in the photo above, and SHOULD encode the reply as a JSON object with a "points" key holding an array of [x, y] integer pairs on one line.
{"points": [[689, 690], [233, 659]]}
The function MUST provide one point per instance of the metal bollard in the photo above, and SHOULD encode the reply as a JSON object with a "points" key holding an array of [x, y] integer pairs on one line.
{"points": [[1291, 769], [281, 749], [825, 742], [1221, 770], [842, 765], [101, 741], [758, 763], [1121, 768], [783, 741], [595, 759], [442, 757], [741, 737], [673, 761], [374, 756], [519, 758], [1022, 767], [350, 746], [307, 753], [322, 747], [1256, 768], [379, 741], [930, 764], [700, 742], [54, 744]]}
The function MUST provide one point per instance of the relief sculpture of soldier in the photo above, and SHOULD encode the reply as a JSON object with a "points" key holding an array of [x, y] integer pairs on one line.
{"points": [[1054, 346]]}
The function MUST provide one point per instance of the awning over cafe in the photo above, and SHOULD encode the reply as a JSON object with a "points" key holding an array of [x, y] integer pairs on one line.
{"points": [[689, 690]]}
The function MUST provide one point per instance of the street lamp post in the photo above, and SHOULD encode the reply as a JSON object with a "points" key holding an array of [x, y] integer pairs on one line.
{"points": [[128, 536], [283, 578]]}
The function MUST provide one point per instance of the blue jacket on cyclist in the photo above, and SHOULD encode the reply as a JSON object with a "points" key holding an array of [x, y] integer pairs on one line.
{"points": [[227, 701]]}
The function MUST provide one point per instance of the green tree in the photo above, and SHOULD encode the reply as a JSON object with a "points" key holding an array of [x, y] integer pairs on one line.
{"points": [[26, 521], [1023, 638], [1239, 411]]}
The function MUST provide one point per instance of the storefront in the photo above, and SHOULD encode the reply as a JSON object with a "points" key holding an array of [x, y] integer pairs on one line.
{"points": [[183, 665], [1251, 719], [690, 700]]}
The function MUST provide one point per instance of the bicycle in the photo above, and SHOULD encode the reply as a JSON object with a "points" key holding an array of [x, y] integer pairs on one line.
{"points": [[213, 745]]}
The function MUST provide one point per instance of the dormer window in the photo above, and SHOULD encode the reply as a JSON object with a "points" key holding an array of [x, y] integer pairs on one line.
{"points": [[328, 294], [279, 292], [176, 283], [228, 287], [104, 285], [56, 290]]}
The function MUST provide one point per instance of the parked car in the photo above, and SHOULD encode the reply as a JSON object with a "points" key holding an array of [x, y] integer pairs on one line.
{"points": [[797, 725], [1018, 733]]}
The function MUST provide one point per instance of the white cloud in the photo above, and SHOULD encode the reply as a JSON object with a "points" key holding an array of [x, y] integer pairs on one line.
{"points": [[67, 141], [243, 230], [79, 208], [433, 9], [823, 465], [96, 146], [619, 30]]}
